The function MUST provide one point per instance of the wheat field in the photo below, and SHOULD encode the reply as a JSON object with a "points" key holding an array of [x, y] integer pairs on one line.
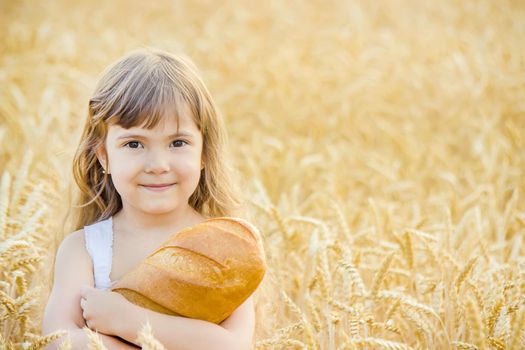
{"points": [[380, 146]]}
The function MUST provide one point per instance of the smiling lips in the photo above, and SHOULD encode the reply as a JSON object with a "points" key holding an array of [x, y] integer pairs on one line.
{"points": [[158, 187]]}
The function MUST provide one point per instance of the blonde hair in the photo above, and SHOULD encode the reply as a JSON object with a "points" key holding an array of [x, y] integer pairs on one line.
{"points": [[138, 90]]}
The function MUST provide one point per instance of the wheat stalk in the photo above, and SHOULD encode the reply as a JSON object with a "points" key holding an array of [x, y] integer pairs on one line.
{"points": [[41, 342], [381, 274], [494, 315], [518, 327], [311, 342], [408, 250], [146, 339], [476, 324], [380, 343], [463, 345], [95, 343], [4, 203], [355, 277], [465, 272]]}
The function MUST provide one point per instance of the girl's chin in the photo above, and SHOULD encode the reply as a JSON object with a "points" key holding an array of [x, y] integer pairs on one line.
{"points": [[159, 211], [157, 206]]}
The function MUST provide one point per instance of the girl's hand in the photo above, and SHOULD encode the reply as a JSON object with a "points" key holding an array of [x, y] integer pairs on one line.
{"points": [[101, 309]]}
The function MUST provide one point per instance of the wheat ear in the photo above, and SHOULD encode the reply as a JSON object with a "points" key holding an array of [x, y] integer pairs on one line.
{"points": [[146, 339]]}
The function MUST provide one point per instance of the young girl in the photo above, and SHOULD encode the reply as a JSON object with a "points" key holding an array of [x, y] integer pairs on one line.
{"points": [[150, 162]]}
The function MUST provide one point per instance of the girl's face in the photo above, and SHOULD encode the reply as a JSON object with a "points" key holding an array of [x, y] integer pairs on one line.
{"points": [[139, 159]]}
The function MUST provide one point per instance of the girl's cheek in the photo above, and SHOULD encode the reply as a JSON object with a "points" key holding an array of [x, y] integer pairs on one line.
{"points": [[188, 167], [127, 164]]}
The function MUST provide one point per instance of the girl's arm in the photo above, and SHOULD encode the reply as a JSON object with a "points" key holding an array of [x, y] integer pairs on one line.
{"points": [[73, 269], [80, 341], [182, 333]]}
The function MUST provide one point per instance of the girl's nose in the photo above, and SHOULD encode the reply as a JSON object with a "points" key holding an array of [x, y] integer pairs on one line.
{"points": [[157, 162]]}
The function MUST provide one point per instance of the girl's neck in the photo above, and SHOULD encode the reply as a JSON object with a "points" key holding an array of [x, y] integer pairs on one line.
{"points": [[135, 222]]}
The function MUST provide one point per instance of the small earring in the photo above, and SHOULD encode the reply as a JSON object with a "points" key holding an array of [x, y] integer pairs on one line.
{"points": [[103, 171]]}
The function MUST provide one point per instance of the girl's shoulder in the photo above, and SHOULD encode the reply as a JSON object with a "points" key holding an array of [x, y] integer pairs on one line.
{"points": [[74, 242], [71, 253]]}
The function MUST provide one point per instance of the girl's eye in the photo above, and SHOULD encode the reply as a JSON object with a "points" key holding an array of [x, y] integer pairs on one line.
{"points": [[132, 144], [179, 143]]}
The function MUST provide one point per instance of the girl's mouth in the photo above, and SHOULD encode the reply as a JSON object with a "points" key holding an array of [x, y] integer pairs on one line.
{"points": [[158, 188]]}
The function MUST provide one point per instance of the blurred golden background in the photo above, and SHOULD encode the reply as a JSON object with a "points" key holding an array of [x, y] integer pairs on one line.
{"points": [[381, 145]]}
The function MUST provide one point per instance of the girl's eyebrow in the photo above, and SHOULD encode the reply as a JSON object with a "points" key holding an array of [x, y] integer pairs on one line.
{"points": [[136, 136]]}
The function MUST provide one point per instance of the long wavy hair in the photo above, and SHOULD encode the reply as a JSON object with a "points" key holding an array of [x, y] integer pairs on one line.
{"points": [[138, 90]]}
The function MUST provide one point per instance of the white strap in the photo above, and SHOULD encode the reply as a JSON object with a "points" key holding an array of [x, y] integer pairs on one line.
{"points": [[99, 244]]}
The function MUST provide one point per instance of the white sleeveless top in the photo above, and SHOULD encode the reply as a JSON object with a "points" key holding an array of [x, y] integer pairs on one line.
{"points": [[99, 244]]}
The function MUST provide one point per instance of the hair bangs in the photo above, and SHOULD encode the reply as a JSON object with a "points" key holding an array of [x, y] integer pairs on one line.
{"points": [[148, 102]]}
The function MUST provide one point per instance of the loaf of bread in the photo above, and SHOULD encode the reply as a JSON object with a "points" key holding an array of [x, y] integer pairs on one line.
{"points": [[204, 271]]}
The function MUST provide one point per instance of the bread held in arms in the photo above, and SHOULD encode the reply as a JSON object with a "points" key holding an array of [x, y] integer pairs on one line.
{"points": [[204, 271]]}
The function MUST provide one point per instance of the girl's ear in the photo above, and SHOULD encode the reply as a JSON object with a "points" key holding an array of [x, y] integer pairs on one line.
{"points": [[101, 156]]}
